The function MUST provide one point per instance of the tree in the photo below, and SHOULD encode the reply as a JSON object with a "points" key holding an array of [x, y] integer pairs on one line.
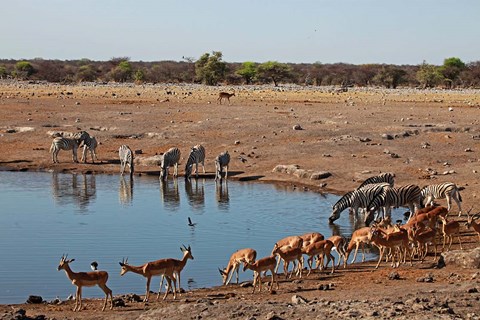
{"points": [[210, 69], [3, 72], [139, 76], [429, 75], [122, 72], [274, 71], [389, 76], [86, 73], [23, 70], [248, 71], [451, 69]]}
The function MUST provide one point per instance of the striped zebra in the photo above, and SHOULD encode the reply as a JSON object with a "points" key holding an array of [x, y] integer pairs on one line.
{"points": [[168, 159], [61, 143], [126, 158], [221, 161], [197, 154], [405, 196], [441, 191], [359, 198], [89, 142], [381, 178]]}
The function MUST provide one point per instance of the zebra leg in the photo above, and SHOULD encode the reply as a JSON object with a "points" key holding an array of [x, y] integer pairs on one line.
{"points": [[226, 172], [455, 198], [74, 151], [175, 170]]}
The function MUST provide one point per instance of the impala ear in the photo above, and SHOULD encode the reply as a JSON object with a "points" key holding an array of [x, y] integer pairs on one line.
{"points": [[71, 260]]}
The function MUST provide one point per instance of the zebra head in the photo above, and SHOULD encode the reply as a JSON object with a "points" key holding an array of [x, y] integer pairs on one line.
{"points": [[335, 214], [188, 170]]}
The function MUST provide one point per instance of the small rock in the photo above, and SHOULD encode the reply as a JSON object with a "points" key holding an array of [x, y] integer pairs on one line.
{"points": [[246, 284], [34, 299], [296, 299], [387, 136], [472, 290], [468, 150], [297, 127], [118, 302], [394, 276]]}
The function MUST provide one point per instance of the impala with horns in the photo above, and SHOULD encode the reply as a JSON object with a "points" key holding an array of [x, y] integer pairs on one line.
{"points": [[259, 266], [247, 254], [178, 266], [162, 267], [472, 223], [86, 279]]}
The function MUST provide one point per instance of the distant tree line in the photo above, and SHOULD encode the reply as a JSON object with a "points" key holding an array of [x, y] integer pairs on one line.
{"points": [[210, 69]]}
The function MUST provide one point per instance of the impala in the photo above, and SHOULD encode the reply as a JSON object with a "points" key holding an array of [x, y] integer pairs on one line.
{"points": [[236, 259], [259, 266], [339, 244], [225, 95], [395, 241], [162, 267], [292, 242], [85, 279], [359, 237], [422, 237], [472, 223], [288, 254], [320, 248], [449, 229], [178, 266]]}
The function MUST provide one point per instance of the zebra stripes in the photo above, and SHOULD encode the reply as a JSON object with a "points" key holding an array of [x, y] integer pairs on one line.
{"points": [[61, 143], [221, 161], [441, 191], [89, 143], [386, 177], [356, 199], [408, 195], [126, 159], [168, 159], [197, 155]]}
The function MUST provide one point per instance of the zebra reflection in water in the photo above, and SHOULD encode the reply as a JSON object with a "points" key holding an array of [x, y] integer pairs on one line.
{"points": [[221, 194], [125, 190], [169, 193], [68, 188], [195, 193]]}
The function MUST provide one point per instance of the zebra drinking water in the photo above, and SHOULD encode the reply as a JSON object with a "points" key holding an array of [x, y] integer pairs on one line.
{"points": [[221, 161], [197, 154], [168, 159], [126, 158]]}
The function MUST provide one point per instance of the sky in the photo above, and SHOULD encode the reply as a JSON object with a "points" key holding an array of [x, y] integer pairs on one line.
{"points": [[302, 31]]}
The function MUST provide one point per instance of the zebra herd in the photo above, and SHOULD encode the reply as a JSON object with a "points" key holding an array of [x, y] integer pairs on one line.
{"points": [[170, 158], [377, 195]]}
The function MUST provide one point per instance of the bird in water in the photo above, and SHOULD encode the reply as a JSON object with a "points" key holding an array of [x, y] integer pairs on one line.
{"points": [[190, 223], [94, 265]]}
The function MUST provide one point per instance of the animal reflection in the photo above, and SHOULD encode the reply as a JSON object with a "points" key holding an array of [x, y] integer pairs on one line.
{"points": [[70, 188], [195, 193], [221, 194], [125, 191], [169, 193]]}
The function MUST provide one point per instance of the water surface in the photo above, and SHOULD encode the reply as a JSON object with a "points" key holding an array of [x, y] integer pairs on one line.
{"points": [[106, 218]]}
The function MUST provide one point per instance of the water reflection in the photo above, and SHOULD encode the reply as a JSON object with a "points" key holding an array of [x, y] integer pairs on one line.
{"points": [[221, 194], [79, 189], [170, 194], [195, 193], [125, 190]]}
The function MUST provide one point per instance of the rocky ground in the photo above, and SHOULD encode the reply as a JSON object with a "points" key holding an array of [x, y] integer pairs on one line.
{"points": [[424, 137]]}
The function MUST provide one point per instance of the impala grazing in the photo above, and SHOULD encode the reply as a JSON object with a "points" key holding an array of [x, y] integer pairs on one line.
{"points": [[162, 267], [86, 279], [247, 254], [259, 266]]}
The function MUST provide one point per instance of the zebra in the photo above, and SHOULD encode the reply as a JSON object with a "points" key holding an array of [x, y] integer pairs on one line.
{"points": [[61, 143], [359, 198], [221, 161], [197, 154], [408, 195], [90, 143], [440, 191], [126, 158], [168, 159], [384, 177]]}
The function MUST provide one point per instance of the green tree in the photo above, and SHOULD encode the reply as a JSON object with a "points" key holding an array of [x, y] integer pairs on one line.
{"points": [[3, 72], [123, 72], [274, 71], [86, 73], [248, 71], [389, 76], [139, 76], [23, 70], [210, 69], [429, 75], [451, 69]]}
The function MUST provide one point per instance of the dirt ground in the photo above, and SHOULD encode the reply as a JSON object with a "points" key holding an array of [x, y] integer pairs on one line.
{"points": [[424, 137]]}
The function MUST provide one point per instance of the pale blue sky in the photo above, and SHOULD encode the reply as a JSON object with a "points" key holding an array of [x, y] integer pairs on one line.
{"points": [[329, 31]]}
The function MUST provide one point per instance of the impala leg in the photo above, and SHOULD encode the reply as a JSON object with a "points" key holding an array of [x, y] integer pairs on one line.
{"points": [[79, 295], [147, 293], [380, 258], [169, 283], [161, 284], [107, 292]]}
